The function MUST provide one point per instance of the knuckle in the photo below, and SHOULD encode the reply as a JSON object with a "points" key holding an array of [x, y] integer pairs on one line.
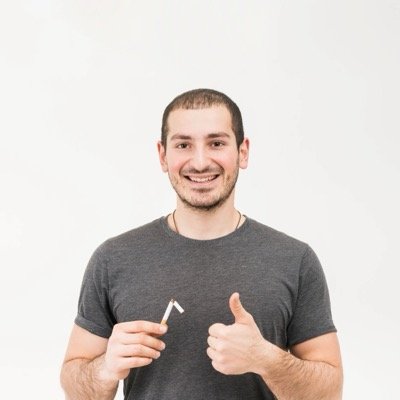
{"points": [[147, 326], [135, 326], [220, 347], [140, 348], [138, 326], [222, 359], [141, 337], [136, 349], [222, 334]]}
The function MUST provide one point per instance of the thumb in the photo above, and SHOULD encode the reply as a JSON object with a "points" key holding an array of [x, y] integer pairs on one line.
{"points": [[238, 311]]}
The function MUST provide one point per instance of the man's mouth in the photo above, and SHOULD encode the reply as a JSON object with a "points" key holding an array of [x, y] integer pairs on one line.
{"points": [[201, 179]]}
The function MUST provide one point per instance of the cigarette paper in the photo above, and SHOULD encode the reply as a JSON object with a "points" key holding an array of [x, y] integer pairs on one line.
{"points": [[178, 307], [167, 312]]}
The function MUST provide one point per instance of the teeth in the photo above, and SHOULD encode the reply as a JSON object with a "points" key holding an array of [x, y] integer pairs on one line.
{"points": [[201, 180]]}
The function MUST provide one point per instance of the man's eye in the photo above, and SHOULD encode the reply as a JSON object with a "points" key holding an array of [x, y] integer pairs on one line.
{"points": [[217, 144], [182, 146]]}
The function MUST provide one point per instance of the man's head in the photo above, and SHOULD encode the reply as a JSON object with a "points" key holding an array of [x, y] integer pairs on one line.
{"points": [[202, 152], [204, 98]]}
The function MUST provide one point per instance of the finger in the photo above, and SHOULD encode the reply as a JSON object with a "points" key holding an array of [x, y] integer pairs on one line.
{"points": [[142, 338], [212, 354], [217, 330], [142, 326], [212, 342], [134, 362], [221, 367], [138, 350], [156, 335], [238, 311]]}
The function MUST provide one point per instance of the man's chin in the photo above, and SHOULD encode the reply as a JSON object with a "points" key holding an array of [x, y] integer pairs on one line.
{"points": [[206, 200], [203, 205], [207, 205]]}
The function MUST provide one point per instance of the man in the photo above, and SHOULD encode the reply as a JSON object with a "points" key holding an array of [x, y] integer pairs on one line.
{"points": [[277, 340]]}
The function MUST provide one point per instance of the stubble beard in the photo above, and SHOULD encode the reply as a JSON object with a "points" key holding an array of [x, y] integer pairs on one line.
{"points": [[214, 203]]}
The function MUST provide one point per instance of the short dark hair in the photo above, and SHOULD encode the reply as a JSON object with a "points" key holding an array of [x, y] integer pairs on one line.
{"points": [[203, 98]]}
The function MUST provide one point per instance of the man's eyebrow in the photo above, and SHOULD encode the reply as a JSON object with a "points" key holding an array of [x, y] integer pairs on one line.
{"points": [[218, 135], [213, 135], [180, 136]]}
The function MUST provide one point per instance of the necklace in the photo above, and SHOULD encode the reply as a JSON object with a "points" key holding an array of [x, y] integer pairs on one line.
{"points": [[176, 228]]}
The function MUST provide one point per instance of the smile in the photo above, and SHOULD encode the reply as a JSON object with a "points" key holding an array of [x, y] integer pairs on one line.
{"points": [[198, 179]]}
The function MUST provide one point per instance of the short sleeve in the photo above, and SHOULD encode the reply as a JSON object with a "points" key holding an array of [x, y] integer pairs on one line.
{"points": [[312, 315], [94, 311]]}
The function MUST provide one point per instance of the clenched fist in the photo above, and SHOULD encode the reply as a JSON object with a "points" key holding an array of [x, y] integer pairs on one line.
{"points": [[238, 348], [132, 345]]}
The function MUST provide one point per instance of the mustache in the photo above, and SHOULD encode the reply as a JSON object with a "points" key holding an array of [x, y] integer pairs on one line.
{"points": [[208, 170]]}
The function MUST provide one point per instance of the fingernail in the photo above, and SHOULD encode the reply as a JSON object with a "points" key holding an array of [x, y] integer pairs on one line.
{"points": [[163, 328], [162, 346]]}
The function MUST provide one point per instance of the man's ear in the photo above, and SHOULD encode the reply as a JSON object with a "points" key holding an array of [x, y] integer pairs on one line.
{"points": [[162, 156], [244, 153]]}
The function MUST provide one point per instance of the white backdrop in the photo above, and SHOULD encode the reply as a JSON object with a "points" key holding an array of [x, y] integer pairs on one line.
{"points": [[83, 85]]}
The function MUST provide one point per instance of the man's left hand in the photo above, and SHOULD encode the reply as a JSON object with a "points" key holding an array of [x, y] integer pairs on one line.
{"points": [[238, 348]]}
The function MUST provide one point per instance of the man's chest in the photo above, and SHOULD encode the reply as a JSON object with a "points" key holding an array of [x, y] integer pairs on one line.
{"points": [[141, 289]]}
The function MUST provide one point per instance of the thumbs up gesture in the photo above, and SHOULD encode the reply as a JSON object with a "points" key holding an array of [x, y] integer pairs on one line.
{"points": [[238, 348]]}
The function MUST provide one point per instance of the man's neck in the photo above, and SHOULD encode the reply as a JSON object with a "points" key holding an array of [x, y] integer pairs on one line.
{"points": [[205, 225]]}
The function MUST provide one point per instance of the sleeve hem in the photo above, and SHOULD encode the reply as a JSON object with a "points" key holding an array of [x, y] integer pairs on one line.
{"points": [[92, 327], [311, 335]]}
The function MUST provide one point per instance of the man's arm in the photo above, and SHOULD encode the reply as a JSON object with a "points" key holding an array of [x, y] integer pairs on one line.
{"points": [[81, 370], [312, 371], [94, 365]]}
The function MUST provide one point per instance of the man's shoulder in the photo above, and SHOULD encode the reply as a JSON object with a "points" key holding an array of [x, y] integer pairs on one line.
{"points": [[275, 237], [132, 238]]}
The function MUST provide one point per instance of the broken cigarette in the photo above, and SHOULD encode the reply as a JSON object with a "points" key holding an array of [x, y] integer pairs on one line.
{"points": [[172, 303]]}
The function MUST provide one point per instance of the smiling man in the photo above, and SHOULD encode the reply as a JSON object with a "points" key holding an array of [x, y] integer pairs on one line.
{"points": [[276, 341]]}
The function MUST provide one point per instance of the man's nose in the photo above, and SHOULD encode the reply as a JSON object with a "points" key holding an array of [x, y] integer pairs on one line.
{"points": [[200, 159]]}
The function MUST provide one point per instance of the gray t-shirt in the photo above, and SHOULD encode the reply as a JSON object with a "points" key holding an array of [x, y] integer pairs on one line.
{"points": [[134, 275]]}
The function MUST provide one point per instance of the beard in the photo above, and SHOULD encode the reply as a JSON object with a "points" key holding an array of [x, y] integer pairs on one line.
{"points": [[202, 199]]}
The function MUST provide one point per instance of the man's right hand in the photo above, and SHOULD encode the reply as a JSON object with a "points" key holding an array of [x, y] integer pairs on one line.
{"points": [[131, 345]]}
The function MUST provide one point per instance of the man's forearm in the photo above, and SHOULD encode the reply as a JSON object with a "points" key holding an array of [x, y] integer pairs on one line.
{"points": [[291, 378], [81, 380]]}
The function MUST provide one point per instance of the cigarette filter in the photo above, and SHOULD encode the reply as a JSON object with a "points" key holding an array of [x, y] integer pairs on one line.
{"points": [[167, 312]]}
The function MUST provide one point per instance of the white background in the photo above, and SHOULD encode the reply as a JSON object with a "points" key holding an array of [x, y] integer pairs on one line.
{"points": [[83, 85]]}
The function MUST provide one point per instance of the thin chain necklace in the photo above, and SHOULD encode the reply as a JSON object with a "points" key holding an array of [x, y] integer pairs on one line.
{"points": [[176, 228]]}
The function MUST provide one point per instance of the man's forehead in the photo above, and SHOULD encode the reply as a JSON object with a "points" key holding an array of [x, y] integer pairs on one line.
{"points": [[211, 120]]}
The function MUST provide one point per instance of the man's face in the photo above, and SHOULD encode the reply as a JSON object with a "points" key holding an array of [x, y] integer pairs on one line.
{"points": [[201, 156]]}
